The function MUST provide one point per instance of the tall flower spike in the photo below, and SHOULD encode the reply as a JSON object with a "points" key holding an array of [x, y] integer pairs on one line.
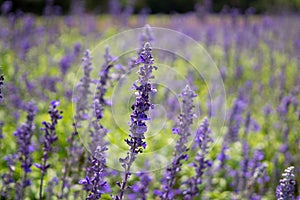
{"points": [[258, 173], [140, 189], [71, 152], [49, 138], [200, 163], [83, 89], [94, 182], [139, 115], [1, 86], [103, 79], [8, 180], [76, 151], [180, 151], [25, 148], [1, 131], [235, 120], [285, 190]]}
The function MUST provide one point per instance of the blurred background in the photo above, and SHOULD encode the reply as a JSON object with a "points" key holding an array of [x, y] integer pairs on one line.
{"points": [[64, 7]]}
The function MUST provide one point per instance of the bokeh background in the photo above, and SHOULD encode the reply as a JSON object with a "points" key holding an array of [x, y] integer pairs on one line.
{"points": [[157, 6]]}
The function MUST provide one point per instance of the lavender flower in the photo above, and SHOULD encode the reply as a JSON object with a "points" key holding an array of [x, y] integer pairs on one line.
{"points": [[8, 178], [104, 78], [222, 156], [25, 148], [235, 120], [71, 153], [284, 106], [1, 131], [285, 148], [65, 63], [267, 110], [285, 190], [94, 183], [49, 83], [200, 163], [140, 189], [259, 172], [1, 86], [244, 173], [180, 151], [67, 60], [83, 89], [139, 116], [82, 108], [50, 188], [49, 138]]}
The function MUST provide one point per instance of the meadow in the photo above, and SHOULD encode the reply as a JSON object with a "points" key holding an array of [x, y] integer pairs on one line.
{"points": [[89, 111]]}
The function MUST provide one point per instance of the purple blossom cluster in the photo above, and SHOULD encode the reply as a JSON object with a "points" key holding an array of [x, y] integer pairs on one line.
{"points": [[1, 86], [25, 147], [139, 116], [49, 138], [83, 89], [68, 59], [103, 80], [141, 188], [286, 188], [1, 131], [201, 162], [180, 151], [94, 183]]}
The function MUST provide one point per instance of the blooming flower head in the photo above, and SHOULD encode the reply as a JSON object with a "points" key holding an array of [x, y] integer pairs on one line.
{"points": [[83, 89], [24, 134], [285, 190], [50, 134], [142, 103], [94, 182], [1, 86], [139, 116], [180, 151]]}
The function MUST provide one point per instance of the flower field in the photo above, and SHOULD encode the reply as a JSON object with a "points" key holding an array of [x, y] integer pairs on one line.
{"points": [[107, 107]]}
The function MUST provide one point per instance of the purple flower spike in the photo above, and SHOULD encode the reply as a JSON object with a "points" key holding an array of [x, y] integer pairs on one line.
{"points": [[235, 120], [285, 190], [104, 78], [180, 151], [83, 89], [49, 138], [140, 189], [1, 86], [25, 148], [201, 163], [1, 131], [94, 183], [65, 63], [8, 178], [139, 115]]}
